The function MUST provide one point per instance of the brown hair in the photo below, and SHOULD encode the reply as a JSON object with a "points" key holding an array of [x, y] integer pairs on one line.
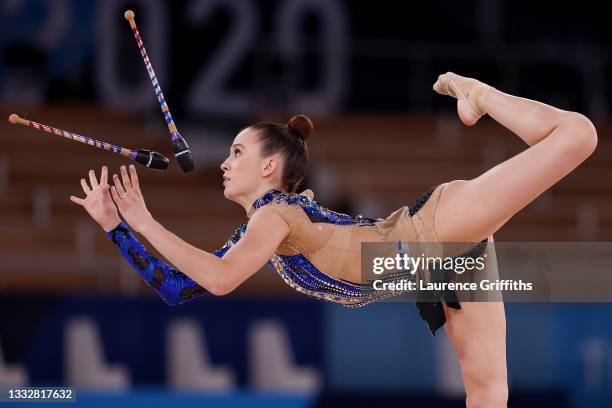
{"points": [[290, 141]]}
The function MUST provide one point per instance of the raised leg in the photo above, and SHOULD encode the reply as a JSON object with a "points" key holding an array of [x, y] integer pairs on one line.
{"points": [[471, 210]]}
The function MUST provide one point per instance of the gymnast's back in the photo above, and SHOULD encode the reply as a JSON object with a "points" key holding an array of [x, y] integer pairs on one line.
{"points": [[331, 241]]}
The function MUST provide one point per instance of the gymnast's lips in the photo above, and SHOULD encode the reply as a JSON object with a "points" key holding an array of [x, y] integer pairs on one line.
{"points": [[225, 179]]}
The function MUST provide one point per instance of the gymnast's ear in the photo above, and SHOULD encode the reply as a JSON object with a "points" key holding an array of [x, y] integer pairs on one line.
{"points": [[270, 164]]}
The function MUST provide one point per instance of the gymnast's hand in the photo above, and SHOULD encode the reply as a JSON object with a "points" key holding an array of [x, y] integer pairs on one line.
{"points": [[126, 194], [98, 202]]}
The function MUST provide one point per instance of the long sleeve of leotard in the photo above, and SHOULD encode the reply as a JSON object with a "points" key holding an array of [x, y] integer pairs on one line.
{"points": [[171, 284]]}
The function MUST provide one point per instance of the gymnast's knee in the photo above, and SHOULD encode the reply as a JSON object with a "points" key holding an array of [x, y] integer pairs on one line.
{"points": [[584, 134], [492, 395]]}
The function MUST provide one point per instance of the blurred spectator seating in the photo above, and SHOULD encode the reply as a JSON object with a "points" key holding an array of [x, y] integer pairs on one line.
{"points": [[11, 375], [85, 364], [188, 362], [271, 363]]}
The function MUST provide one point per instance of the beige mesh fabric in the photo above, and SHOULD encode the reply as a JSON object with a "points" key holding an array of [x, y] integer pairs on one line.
{"points": [[417, 231], [336, 249], [400, 226]]}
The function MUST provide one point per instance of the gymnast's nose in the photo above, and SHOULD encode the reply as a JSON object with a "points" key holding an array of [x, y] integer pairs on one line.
{"points": [[224, 166]]}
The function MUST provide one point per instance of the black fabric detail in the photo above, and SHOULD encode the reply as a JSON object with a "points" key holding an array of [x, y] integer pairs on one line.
{"points": [[188, 293], [138, 259], [420, 202], [433, 312], [158, 277]]}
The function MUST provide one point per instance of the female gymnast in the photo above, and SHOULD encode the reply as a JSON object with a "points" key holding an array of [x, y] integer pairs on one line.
{"points": [[317, 251]]}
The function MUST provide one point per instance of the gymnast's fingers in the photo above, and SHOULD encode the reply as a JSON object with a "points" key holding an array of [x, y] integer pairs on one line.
{"points": [[92, 179], [104, 175], [134, 176], [86, 188], [118, 185], [125, 178], [77, 200], [115, 196]]}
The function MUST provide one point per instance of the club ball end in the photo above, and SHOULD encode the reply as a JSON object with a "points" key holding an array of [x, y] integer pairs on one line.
{"points": [[152, 160], [185, 162], [13, 118], [182, 153], [128, 15]]}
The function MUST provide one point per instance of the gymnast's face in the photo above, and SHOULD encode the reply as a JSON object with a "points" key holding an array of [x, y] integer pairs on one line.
{"points": [[245, 171]]}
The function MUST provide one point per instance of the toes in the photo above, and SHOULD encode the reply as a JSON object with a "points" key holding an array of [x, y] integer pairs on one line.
{"points": [[438, 85], [442, 84]]}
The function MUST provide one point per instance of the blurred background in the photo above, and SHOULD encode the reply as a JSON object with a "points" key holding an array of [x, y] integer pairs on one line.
{"points": [[73, 313]]}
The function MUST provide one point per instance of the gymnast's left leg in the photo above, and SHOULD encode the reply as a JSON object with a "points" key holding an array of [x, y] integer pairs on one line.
{"points": [[478, 334]]}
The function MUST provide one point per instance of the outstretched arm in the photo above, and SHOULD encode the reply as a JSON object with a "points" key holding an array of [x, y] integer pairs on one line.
{"points": [[219, 275], [196, 270], [170, 283]]}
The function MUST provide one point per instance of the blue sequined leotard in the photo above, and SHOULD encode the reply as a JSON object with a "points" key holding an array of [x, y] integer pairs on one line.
{"points": [[322, 247]]}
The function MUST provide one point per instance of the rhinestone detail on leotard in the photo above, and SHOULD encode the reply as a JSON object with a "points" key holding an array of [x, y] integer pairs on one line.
{"points": [[315, 211]]}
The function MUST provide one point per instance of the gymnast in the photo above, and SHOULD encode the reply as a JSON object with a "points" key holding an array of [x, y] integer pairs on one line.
{"points": [[317, 251]]}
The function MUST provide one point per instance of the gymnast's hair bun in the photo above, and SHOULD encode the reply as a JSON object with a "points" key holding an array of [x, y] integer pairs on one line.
{"points": [[302, 124]]}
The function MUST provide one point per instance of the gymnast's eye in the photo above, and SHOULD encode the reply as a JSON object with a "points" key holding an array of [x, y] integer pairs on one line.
{"points": [[237, 152]]}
